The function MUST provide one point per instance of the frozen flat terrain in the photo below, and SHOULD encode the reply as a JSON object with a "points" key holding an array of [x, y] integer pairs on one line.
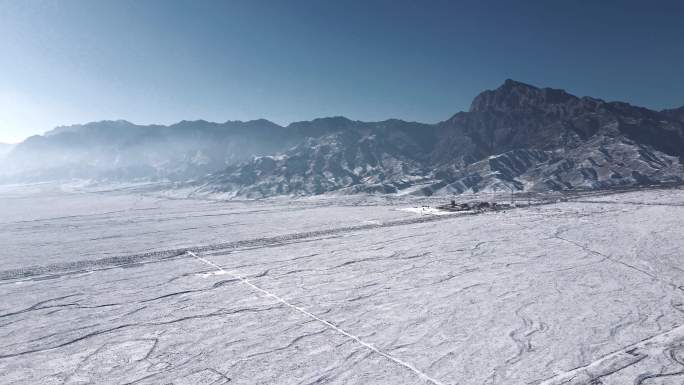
{"points": [[118, 287]]}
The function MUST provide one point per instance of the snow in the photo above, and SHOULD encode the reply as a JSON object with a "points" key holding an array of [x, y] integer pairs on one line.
{"points": [[341, 290]]}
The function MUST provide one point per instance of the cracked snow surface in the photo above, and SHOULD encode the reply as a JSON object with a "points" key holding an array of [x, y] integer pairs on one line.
{"points": [[339, 291]]}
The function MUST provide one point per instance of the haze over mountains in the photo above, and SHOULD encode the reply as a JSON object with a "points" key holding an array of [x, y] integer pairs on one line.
{"points": [[5, 148], [516, 137]]}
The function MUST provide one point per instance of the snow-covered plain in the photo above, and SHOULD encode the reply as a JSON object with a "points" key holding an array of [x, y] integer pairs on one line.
{"points": [[339, 290]]}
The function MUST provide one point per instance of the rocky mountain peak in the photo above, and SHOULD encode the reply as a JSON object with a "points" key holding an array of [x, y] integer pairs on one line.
{"points": [[515, 136], [513, 95]]}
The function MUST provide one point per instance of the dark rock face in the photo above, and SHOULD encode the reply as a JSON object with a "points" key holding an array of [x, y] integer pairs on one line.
{"points": [[379, 157], [516, 137], [675, 114], [587, 142], [517, 96]]}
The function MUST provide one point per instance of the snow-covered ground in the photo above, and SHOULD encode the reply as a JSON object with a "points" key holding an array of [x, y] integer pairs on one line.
{"points": [[339, 290]]}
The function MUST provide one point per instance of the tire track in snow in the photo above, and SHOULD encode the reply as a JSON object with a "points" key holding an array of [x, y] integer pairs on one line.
{"points": [[84, 266], [367, 345], [613, 363]]}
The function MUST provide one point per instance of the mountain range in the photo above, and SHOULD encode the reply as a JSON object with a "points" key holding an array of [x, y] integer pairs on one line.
{"points": [[516, 137]]}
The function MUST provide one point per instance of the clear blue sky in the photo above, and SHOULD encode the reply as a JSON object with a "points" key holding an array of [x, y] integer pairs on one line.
{"points": [[70, 61]]}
